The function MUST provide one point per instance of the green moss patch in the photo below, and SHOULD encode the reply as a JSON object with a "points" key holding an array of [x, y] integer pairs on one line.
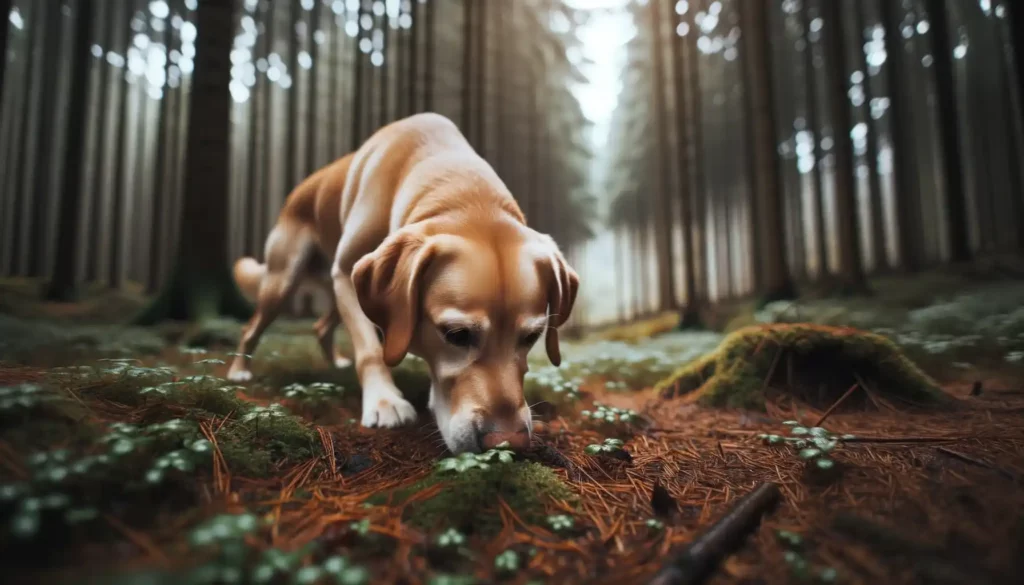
{"points": [[469, 500], [811, 362]]}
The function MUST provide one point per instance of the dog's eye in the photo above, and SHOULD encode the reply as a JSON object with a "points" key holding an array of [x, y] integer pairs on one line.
{"points": [[460, 337], [530, 339]]}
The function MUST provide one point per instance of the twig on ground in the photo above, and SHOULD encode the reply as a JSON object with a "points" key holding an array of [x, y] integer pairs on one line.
{"points": [[696, 563], [974, 461], [836, 404]]}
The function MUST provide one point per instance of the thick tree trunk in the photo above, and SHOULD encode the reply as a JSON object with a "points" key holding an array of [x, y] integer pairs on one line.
{"points": [[16, 183], [904, 168], [663, 221], [64, 281], [115, 277], [700, 185], [429, 56], [201, 286], [313, 161], [851, 265], [878, 239], [5, 11], [689, 315], [814, 128], [774, 281], [256, 137], [291, 153], [46, 140], [94, 234], [466, 114], [952, 165], [161, 194], [358, 60]]}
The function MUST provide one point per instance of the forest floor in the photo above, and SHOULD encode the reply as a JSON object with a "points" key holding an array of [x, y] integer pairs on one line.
{"points": [[125, 456]]}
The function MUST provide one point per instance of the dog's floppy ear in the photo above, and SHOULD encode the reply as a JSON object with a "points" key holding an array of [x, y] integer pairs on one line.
{"points": [[387, 284], [563, 284]]}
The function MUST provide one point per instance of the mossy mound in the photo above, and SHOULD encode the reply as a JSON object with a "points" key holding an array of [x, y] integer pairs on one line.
{"points": [[469, 500], [813, 363]]}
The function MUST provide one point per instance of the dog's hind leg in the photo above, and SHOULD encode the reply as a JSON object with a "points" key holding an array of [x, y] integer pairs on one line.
{"points": [[325, 328], [289, 250]]}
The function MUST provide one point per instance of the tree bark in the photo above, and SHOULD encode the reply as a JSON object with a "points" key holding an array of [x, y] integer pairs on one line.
{"points": [[904, 168], [429, 56], [115, 277], [291, 153], [5, 12], [201, 286], [385, 65], [413, 100], [663, 221], [700, 184], [313, 161], [689, 315], [468, 13], [878, 239], [851, 266], [481, 78], [952, 165], [45, 142], [357, 85], [814, 128], [774, 281], [253, 209], [64, 281], [161, 209]]}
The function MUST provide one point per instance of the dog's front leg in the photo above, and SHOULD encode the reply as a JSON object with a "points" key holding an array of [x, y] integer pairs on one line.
{"points": [[383, 404]]}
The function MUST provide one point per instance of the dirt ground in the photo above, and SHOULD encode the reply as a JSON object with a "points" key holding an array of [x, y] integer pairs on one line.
{"points": [[253, 492]]}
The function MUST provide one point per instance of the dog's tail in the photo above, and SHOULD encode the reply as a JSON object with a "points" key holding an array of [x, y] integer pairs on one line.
{"points": [[248, 275]]}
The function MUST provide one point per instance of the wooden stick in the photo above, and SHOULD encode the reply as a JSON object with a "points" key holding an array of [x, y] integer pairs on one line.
{"points": [[697, 563], [836, 404], [974, 461]]}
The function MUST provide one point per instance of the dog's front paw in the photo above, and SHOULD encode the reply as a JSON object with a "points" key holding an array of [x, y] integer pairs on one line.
{"points": [[386, 409], [239, 375]]}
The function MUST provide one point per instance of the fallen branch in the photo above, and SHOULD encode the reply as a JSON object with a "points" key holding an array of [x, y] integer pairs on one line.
{"points": [[696, 564], [975, 461], [836, 404]]}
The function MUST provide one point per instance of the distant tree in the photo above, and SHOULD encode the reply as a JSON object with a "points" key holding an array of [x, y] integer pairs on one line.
{"points": [[662, 203], [904, 167], [201, 285], [357, 83], [64, 280], [951, 168], [774, 281], [814, 128], [878, 239], [291, 151], [313, 159], [5, 11], [689, 315], [851, 278], [256, 139]]}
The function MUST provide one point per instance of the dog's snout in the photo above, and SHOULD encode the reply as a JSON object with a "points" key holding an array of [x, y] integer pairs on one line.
{"points": [[518, 440]]}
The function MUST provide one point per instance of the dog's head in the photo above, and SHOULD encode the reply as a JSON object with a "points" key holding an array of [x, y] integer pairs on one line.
{"points": [[471, 303]]}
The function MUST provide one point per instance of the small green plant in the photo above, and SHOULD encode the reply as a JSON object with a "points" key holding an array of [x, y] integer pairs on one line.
{"points": [[609, 414], [799, 567], [263, 412], [23, 397], [609, 446], [362, 527], [451, 538], [813, 444], [560, 522], [452, 580], [654, 525], [313, 393], [507, 562], [466, 461]]}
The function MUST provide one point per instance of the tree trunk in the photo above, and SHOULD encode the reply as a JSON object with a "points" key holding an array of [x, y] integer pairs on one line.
{"points": [[358, 113], [413, 87], [814, 128], [429, 58], [385, 65], [952, 165], [16, 183], [271, 154], [774, 281], [201, 286], [481, 78], [904, 168], [253, 210], [663, 221], [878, 247], [468, 12], [700, 185], [1010, 50], [291, 153], [45, 143], [161, 195], [94, 234], [5, 12], [851, 266], [335, 36], [312, 117], [689, 315], [115, 276], [64, 282]]}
